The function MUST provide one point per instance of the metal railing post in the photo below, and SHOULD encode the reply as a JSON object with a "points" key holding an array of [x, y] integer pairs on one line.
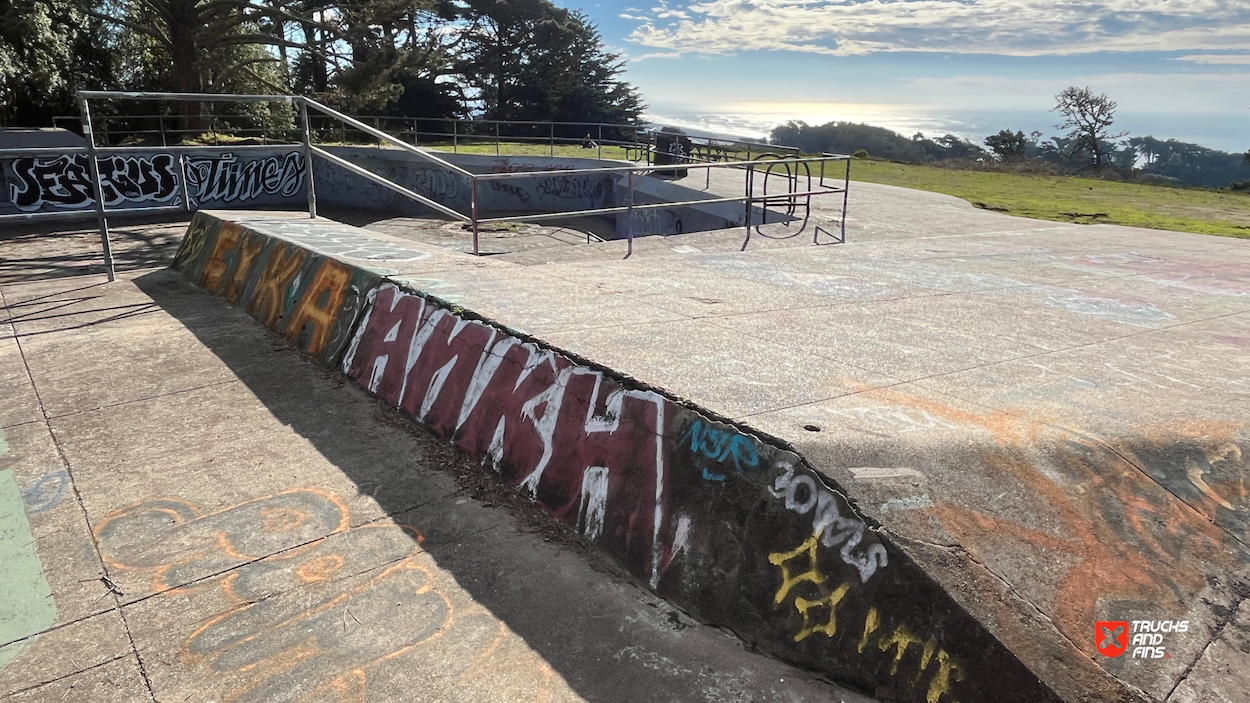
{"points": [[308, 161], [85, 114], [629, 218], [551, 131], [186, 190], [600, 142], [473, 212], [846, 191], [496, 139], [749, 195], [455, 136]]}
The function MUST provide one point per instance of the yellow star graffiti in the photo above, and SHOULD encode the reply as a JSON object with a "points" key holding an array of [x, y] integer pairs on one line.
{"points": [[803, 605], [812, 575]]}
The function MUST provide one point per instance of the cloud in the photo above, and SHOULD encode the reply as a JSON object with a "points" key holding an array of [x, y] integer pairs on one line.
{"points": [[658, 55], [1007, 27], [1217, 58]]}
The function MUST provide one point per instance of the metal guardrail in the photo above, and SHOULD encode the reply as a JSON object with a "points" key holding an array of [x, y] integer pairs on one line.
{"points": [[792, 198]]}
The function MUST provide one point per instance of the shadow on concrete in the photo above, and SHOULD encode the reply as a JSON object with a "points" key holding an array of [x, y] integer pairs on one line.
{"points": [[606, 646], [137, 244]]}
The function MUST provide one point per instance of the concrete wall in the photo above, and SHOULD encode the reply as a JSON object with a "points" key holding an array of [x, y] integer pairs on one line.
{"points": [[257, 178], [730, 525], [547, 193], [239, 178]]}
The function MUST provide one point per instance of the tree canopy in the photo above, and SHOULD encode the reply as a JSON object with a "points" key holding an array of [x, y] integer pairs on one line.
{"points": [[500, 59]]}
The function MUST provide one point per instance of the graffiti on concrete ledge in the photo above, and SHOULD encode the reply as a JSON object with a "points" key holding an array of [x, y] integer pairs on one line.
{"points": [[733, 527], [311, 299], [590, 451]]}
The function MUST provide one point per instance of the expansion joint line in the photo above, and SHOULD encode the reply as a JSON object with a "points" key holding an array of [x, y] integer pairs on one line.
{"points": [[69, 471], [1216, 634]]}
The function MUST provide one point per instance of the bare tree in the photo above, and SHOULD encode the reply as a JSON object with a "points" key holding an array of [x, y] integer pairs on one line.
{"points": [[1089, 117]]}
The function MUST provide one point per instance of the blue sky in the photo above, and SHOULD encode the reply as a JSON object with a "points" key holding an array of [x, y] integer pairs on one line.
{"points": [[1178, 68]]}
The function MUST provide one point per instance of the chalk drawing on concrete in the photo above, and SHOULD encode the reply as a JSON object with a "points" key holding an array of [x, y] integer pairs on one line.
{"points": [[348, 243], [46, 491], [291, 632], [27, 607]]}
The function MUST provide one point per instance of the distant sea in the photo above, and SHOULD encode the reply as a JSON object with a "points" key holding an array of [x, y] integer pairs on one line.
{"points": [[754, 121]]}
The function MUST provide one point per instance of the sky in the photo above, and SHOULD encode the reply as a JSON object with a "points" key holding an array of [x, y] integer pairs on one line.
{"points": [[1179, 69]]}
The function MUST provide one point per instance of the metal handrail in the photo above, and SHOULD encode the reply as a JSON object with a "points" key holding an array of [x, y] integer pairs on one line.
{"points": [[379, 134], [304, 104]]}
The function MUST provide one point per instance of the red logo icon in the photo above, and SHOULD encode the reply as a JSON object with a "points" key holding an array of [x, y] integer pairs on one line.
{"points": [[1111, 637]]}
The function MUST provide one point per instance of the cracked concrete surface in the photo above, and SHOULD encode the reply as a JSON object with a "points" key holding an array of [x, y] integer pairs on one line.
{"points": [[1052, 417], [219, 519]]}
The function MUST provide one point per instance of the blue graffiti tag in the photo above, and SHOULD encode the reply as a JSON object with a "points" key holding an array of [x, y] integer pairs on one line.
{"points": [[720, 446], [46, 492]]}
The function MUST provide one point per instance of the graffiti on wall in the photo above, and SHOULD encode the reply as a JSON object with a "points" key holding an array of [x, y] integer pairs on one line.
{"points": [[572, 187], [590, 451], [65, 181], [517, 191], [298, 627], [227, 178], [311, 299]]}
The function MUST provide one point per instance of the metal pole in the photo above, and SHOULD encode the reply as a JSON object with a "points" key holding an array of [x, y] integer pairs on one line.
{"points": [[308, 161], [846, 191], [600, 142], [551, 130], [160, 123], [750, 193], [455, 138], [496, 139], [629, 217], [85, 114], [473, 212], [186, 191]]}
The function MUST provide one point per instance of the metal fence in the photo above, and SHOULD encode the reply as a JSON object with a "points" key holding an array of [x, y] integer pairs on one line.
{"points": [[223, 129], [310, 126]]}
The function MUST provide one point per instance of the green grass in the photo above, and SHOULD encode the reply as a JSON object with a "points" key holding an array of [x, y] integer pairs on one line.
{"points": [[1070, 199], [532, 149]]}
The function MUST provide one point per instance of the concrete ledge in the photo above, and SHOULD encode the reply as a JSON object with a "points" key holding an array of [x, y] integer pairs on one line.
{"points": [[727, 523]]}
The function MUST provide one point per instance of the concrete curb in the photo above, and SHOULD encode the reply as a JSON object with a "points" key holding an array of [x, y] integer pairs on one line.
{"points": [[728, 524]]}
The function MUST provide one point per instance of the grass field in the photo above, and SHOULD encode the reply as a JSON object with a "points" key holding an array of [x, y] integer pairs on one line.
{"points": [[532, 149], [1068, 199]]}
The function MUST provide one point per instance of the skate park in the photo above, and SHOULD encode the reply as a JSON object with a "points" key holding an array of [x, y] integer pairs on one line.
{"points": [[920, 463]]}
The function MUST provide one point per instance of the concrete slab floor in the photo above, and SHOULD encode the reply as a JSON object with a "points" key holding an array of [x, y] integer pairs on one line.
{"points": [[1062, 407], [1066, 407], [213, 517]]}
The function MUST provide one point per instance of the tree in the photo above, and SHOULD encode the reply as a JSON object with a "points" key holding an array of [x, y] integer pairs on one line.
{"points": [[209, 46], [530, 60], [1089, 118], [1008, 145], [48, 50]]}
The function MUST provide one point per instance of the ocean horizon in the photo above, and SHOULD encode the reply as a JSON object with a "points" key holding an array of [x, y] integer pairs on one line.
{"points": [[754, 121]]}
